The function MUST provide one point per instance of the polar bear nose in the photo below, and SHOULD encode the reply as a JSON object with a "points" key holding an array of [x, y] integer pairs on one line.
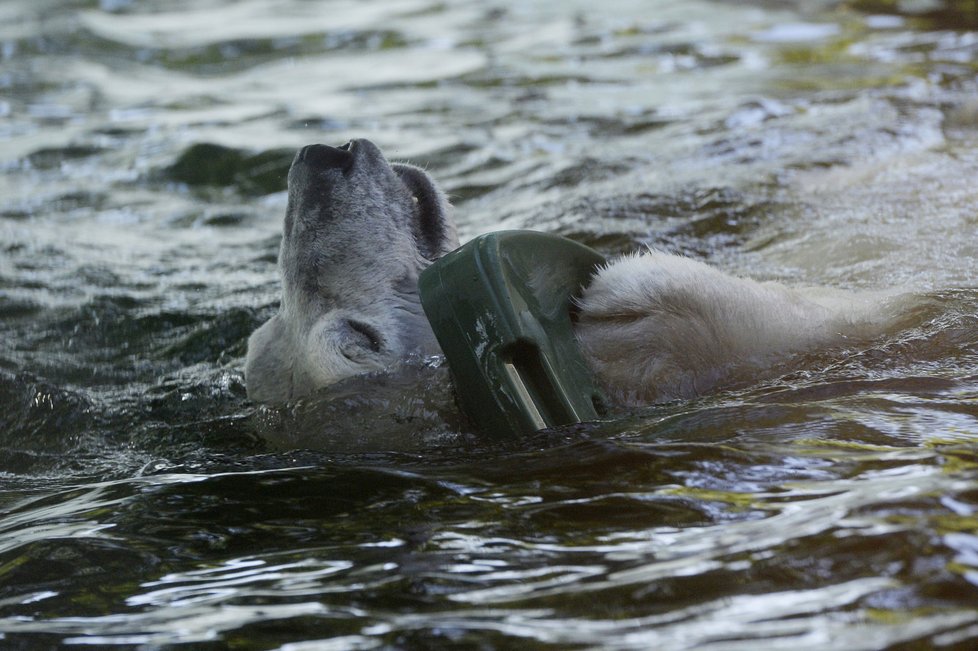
{"points": [[326, 157]]}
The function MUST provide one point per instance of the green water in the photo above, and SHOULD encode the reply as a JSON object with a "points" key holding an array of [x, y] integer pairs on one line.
{"points": [[145, 503]]}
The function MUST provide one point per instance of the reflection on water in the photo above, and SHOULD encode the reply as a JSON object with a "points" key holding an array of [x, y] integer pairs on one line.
{"points": [[146, 502]]}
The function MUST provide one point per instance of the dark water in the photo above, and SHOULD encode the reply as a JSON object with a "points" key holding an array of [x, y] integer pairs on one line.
{"points": [[145, 503]]}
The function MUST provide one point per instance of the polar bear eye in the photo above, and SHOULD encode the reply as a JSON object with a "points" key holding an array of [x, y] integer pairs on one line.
{"points": [[369, 337]]}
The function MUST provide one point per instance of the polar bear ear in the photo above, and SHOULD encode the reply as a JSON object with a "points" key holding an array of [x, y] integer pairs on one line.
{"points": [[434, 228]]}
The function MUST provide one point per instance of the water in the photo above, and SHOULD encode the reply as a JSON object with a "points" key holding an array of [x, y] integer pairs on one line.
{"points": [[145, 503]]}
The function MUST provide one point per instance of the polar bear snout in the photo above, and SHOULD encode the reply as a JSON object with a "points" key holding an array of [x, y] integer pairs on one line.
{"points": [[357, 153], [325, 157]]}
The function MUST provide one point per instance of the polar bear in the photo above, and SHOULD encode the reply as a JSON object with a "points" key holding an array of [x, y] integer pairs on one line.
{"points": [[652, 327], [358, 231]]}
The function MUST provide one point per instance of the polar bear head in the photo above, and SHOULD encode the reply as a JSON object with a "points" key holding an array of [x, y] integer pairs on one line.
{"points": [[358, 232]]}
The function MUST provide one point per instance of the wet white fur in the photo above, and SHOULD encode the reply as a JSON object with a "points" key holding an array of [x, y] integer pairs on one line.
{"points": [[657, 326]]}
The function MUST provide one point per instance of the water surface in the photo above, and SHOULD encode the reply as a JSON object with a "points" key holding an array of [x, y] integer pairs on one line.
{"points": [[146, 503]]}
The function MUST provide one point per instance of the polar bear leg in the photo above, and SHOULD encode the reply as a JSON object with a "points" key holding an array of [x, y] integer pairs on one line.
{"points": [[657, 326]]}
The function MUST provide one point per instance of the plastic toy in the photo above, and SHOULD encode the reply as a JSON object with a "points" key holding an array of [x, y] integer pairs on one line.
{"points": [[502, 309]]}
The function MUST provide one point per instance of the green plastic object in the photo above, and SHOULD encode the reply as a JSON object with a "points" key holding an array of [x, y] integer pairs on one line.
{"points": [[501, 309]]}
